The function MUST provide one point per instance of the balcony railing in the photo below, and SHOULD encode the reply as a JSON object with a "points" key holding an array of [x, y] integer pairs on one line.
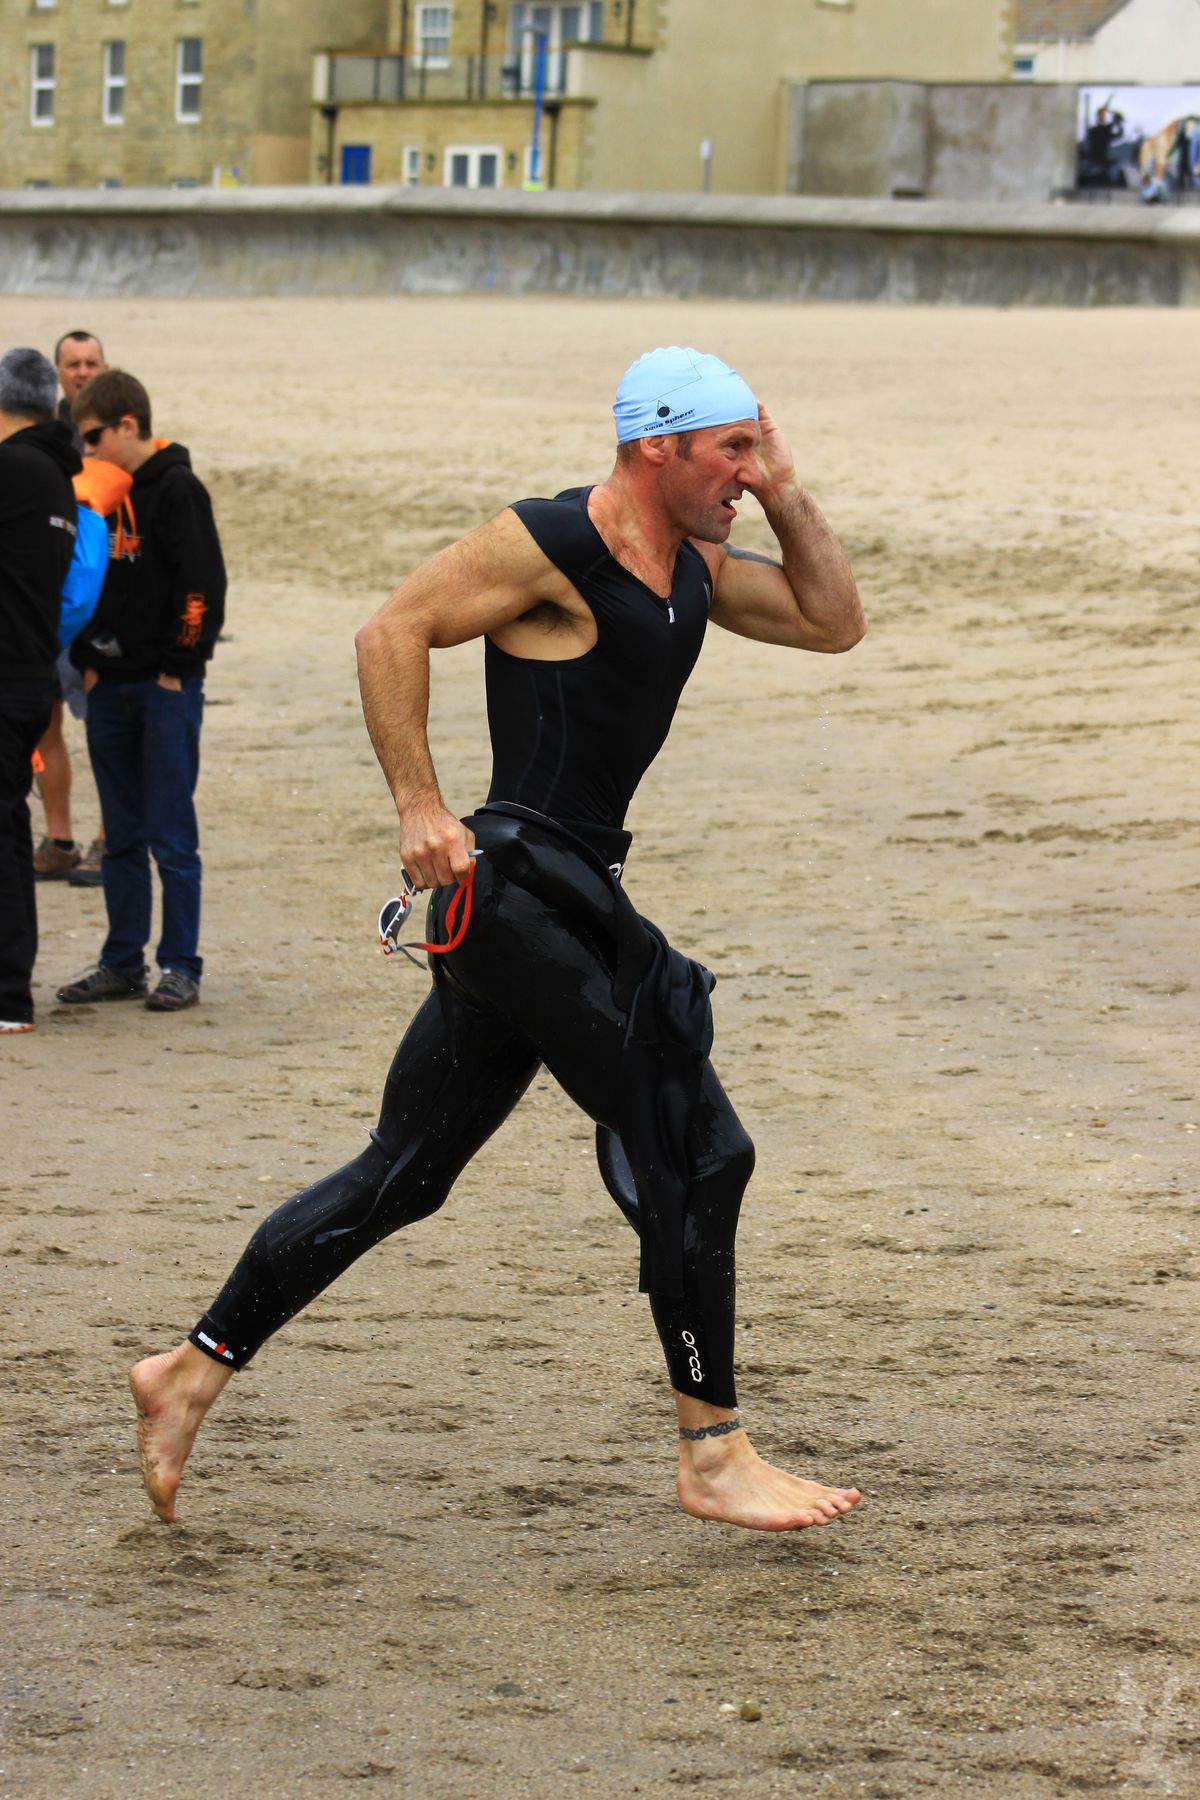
{"points": [[507, 75]]}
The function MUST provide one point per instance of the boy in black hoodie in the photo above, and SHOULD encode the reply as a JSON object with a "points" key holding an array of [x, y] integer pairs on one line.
{"points": [[37, 536], [143, 658]]}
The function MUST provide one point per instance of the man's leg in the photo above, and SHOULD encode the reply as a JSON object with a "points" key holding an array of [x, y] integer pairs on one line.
{"points": [[22, 719], [455, 1078], [171, 751], [114, 735], [554, 987], [56, 799]]}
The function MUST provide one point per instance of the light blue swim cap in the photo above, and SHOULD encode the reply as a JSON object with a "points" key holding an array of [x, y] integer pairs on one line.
{"points": [[674, 389]]}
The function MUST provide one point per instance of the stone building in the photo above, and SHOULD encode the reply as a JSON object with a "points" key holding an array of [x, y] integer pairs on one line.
{"points": [[145, 93], [650, 95]]}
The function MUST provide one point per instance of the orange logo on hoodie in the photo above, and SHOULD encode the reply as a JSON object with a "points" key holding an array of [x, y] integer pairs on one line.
{"points": [[190, 623]]}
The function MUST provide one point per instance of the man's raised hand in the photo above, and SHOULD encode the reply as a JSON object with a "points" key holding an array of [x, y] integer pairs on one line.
{"points": [[774, 457]]}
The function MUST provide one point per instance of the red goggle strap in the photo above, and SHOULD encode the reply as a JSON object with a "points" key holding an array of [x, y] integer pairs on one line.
{"points": [[461, 893]]}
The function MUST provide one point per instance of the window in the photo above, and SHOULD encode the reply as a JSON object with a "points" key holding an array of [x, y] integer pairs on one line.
{"points": [[112, 110], [559, 25], [189, 73], [433, 36], [1023, 67], [469, 166], [41, 84], [412, 165]]}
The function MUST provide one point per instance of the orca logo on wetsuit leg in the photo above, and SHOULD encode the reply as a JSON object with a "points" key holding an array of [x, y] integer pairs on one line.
{"points": [[696, 1372]]}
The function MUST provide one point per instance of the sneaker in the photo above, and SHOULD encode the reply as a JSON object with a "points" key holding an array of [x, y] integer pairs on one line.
{"points": [[174, 991], [52, 863], [13, 1025], [103, 983], [87, 872]]}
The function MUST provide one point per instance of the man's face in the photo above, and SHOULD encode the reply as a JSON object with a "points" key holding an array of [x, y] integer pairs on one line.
{"points": [[708, 472], [109, 442], [78, 360]]}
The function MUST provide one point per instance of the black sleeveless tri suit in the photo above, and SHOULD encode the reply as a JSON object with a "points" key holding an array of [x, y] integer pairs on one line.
{"points": [[554, 968]]}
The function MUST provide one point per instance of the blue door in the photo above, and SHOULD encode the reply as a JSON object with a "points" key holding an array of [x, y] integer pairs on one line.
{"points": [[356, 163]]}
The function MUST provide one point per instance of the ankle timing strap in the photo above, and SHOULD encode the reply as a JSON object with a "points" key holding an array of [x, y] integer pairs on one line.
{"points": [[706, 1431]]}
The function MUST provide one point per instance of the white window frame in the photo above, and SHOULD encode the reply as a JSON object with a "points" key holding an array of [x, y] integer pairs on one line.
{"points": [[1024, 66], [475, 154], [422, 35], [523, 39], [411, 165], [185, 79], [113, 84], [41, 84], [43, 5]]}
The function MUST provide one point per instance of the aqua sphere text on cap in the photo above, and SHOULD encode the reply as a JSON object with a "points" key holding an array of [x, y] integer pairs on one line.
{"points": [[674, 389]]}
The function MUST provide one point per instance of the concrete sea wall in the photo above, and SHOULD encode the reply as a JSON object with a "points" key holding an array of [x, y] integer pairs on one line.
{"points": [[373, 240]]}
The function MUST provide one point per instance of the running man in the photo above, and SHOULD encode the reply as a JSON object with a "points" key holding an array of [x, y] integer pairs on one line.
{"points": [[593, 607]]}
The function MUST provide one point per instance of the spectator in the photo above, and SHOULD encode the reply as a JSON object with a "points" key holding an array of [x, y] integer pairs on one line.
{"points": [[78, 355], [143, 659], [37, 531]]}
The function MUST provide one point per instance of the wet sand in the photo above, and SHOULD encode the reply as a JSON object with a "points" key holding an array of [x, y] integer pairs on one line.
{"points": [[949, 885]]}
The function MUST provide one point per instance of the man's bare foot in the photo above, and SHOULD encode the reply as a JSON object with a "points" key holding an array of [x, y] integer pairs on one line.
{"points": [[725, 1478], [172, 1393]]}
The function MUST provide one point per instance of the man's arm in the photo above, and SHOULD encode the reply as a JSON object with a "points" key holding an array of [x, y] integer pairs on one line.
{"points": [[472, 588], [198, 575], [808, 600]]}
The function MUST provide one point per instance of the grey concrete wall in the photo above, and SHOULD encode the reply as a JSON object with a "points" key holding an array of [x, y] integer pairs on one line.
{"points": [[1015, 142], [861, 138], [413, 240], [991, 141]]}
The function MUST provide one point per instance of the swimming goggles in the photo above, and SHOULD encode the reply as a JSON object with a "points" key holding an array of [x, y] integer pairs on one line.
{"points": [[394, 913]]}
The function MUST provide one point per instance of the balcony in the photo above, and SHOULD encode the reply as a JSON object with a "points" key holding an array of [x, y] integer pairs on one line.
{"points": [[342, 76]]}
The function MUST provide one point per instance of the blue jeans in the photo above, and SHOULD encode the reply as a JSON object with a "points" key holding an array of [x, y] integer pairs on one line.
{"points": [[144, 742]]}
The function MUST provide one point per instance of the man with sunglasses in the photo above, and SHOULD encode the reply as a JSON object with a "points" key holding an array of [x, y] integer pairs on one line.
{"points": [[143, 658], [593, 607]]}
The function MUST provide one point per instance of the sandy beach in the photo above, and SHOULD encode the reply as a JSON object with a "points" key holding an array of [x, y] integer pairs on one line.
{"points": [[949, 885]]}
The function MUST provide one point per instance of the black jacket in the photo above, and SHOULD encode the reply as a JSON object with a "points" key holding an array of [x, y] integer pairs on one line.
{"points": [[37, 537], [64, 413], [163, 602]]}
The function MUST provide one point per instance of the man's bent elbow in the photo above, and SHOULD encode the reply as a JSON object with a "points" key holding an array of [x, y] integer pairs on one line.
{"points": [[854, 633], [845, 634], [370, 639]]}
